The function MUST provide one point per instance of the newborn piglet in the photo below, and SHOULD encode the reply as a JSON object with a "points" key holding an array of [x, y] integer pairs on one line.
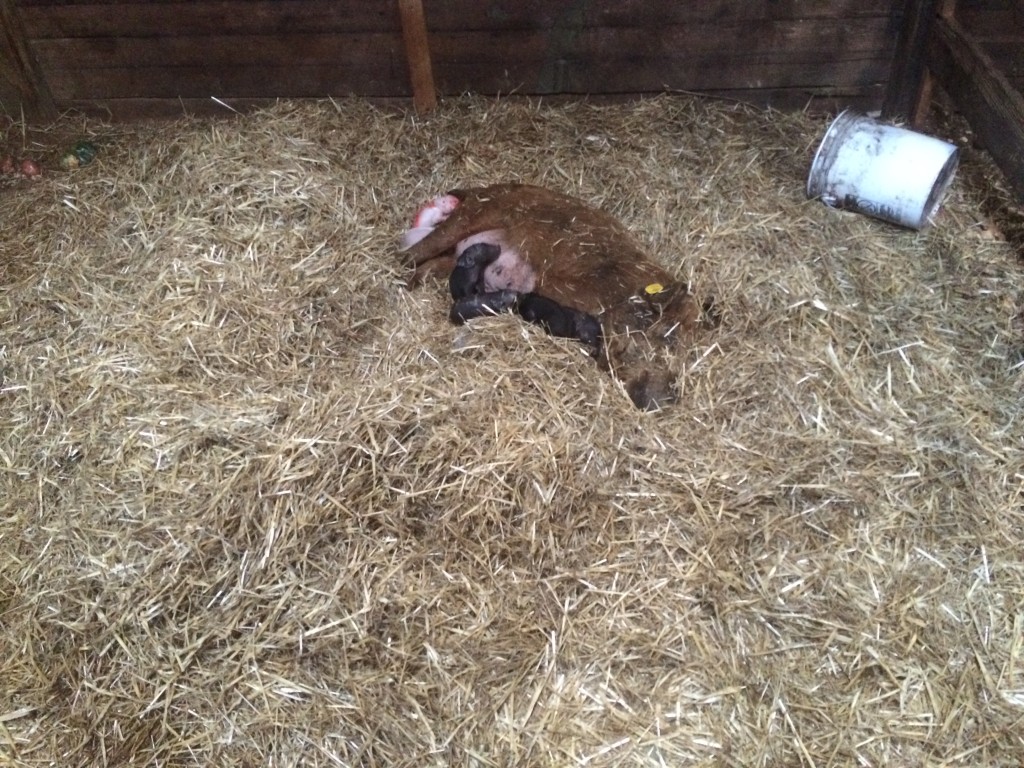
{"points": [[471, 299]]}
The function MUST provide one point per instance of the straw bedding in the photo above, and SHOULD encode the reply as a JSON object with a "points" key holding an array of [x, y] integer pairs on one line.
{"points": [[261, 505]]}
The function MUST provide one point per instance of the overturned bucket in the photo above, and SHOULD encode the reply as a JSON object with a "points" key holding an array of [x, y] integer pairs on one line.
{"points": [[893, 174]]}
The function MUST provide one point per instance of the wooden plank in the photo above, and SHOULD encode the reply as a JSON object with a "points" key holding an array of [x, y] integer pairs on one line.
{"points": [[616, 74], [146, 108], [620, 75], [992, 106], [814, 100], [417, 54], [1004, 25], [826, 38], [945, 9], [210, 17], [783, 55], [90, 18], [907, 81], [22, 86], [134, 55], [215, 51], [243, 82], [1007, 57]]}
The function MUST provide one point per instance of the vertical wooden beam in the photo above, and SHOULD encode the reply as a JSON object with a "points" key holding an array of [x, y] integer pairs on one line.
{"points": [[907, 78], [923, 103], [20, 75], [909, 95], [417, 53]]}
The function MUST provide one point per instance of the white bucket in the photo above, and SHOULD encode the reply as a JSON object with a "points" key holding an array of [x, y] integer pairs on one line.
{"points": [[890, 173]]}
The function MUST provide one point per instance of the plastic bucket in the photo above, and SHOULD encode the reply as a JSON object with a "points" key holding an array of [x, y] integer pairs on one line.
{"points": [[893, 174]]}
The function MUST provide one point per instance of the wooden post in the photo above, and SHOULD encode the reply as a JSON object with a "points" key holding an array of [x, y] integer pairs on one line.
{"points": [[903, 96], [909, 93], [923, 103], [417, 53], [19, 73]]}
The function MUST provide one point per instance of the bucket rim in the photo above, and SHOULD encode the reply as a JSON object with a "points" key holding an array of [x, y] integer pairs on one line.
{"points": [[825, 144], [943, 181]]}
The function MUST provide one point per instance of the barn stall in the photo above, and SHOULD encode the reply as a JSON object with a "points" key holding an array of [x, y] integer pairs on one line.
{"points": [[263, 505]]}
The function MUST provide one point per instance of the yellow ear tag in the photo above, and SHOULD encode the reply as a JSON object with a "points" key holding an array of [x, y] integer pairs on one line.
{"points": [[654, 288]]}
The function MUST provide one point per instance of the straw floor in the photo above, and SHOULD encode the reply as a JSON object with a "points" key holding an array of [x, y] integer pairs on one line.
{"points": [[261, 505]]}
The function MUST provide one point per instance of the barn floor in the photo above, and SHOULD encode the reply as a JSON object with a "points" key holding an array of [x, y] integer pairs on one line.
{"points": [[261, 505]]}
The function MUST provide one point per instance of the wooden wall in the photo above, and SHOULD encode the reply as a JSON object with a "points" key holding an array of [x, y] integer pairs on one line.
{"points": [[975, 53], [133, 58], [998, 27]]}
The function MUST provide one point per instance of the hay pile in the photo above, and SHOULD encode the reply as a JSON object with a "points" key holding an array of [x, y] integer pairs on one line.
{"points": [[259, 505]]}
